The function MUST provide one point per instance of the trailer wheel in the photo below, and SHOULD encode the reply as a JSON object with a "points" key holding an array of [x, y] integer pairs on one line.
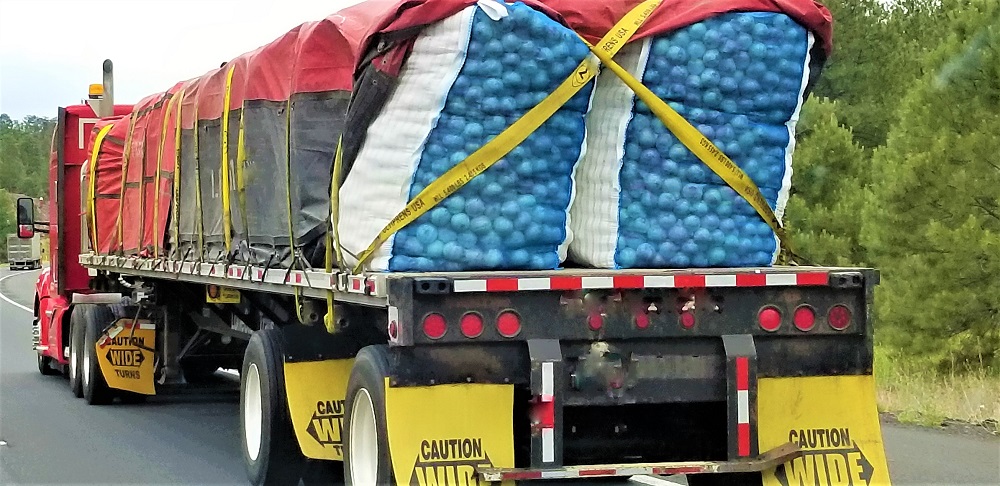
{"points": [[270, 450], [366, 446], [77, 326], [95, 388]]}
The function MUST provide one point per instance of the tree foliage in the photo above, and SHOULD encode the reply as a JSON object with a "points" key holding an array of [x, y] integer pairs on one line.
{"points": [[24, 159], [917, 84], [829, 171]]}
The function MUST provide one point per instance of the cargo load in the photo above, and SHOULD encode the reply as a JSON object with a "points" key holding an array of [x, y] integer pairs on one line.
{"points": [[644, 200], [467, 79], [238, 165]]}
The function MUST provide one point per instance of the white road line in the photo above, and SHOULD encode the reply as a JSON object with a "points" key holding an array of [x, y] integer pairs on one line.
{"points": [[7, 299], [653, 481]]}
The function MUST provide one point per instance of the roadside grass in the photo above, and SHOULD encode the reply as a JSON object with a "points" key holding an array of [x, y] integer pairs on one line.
{"points": [[917, 394]]}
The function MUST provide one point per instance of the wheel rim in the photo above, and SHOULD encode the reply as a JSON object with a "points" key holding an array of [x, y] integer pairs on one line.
{"points": [[74, 365], [252, 415], [88, 359], [364, 440]]}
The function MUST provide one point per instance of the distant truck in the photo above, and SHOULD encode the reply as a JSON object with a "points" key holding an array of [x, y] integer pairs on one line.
{"points": [[24, 253]]}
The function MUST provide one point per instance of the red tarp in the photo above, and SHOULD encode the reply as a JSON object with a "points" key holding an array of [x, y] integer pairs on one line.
{"points": [[108, 182], [325, 55]]}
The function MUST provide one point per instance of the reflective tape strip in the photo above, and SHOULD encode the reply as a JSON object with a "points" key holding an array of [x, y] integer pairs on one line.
{"points": [[513, 284], [743, 406], [548, 445], [548, 382]]}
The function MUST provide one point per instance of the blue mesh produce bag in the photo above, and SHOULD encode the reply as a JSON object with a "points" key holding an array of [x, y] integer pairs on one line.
{"points": [[467, 79], [643, 199]]}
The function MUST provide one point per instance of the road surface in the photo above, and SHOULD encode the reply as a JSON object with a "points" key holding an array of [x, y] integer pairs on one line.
{"points": [[52, 438]]}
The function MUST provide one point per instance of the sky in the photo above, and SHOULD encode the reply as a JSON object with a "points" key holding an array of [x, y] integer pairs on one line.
{"points": [[52, 50]]}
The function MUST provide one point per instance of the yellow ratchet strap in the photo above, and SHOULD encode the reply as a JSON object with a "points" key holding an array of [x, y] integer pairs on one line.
{"points": [[241, 187], [176, 206], [288, 198], [333, 234], [227, 222], [489, 154], [700, 145], [159, 168], [126, 152], [92, 183]]}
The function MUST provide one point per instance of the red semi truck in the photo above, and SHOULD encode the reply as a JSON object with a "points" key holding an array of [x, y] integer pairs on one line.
{"points": [[727, 375]]}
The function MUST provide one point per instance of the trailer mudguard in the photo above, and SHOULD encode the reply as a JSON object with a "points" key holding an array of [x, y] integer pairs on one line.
{"points": [[125, 354], [315, 392], [441, 434], [834, 419]]}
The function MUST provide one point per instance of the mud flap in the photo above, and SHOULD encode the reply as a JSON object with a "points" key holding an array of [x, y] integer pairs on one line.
{"points": [[441, 434], [315, 391], [834, 419], [125, 353]]}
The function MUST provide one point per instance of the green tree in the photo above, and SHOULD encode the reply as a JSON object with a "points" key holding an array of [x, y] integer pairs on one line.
{"points": [[24, 154], [932, 215], [6, 221], [878, 46], [827, 188]]}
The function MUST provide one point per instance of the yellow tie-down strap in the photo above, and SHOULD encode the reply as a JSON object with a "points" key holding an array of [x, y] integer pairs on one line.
{"points": [[486, 156], [92, 183]]}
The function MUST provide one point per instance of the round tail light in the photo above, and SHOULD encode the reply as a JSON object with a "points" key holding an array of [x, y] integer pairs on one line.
{"points": [[472, 325], [435, 326], [508, 324], [687, 320], [839, 317], [804, 318], [769, 319], [595, 321]]}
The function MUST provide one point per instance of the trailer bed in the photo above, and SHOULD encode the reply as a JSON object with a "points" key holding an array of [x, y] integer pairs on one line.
{"points": [[372, 288]]}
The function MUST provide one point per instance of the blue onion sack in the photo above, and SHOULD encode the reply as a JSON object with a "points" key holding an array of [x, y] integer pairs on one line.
{"points": [[643, 199], [467, 79]]}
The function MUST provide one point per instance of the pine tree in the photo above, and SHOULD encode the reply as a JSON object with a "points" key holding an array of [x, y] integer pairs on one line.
{"points": [[932, 215], [829, 171]]}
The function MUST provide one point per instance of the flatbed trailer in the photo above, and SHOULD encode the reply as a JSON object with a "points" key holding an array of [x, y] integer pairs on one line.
{"points": [[687, 371]]}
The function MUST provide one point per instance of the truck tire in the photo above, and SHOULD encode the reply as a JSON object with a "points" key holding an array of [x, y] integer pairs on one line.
{"points": [[270, 451], [367, 459], [44, 365], [95, 388], [77, 326]]}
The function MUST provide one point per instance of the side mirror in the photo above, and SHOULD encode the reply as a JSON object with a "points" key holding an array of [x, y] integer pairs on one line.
{"points": [[25, 217]]}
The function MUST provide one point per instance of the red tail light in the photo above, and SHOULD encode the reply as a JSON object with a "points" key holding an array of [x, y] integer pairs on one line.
{"points": [[642, 320], [769, 319], [595, 321], [435, 326], [472, 325], [508, 324], [687, 320], [839, 317], [804, 318]]}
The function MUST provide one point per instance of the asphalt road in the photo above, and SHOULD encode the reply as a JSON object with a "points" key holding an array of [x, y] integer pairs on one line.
{"points": [[48, 437]]}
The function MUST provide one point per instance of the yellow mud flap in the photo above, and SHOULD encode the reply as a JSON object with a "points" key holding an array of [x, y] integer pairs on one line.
{"points": [[315, 393], [125, 355], [441, 435], [833, 419]]}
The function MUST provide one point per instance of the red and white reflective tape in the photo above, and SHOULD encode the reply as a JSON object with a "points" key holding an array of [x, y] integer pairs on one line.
{"points": [[512, 284], [548, 405], [743, 406], [598, 471]]}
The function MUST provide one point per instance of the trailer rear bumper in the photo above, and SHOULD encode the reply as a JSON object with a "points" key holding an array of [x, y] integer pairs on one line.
{"points": [[768, 460]]}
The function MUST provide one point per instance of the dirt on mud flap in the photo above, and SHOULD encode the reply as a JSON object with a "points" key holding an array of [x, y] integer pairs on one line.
{"points": [[125, 353], [834, 420]]}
